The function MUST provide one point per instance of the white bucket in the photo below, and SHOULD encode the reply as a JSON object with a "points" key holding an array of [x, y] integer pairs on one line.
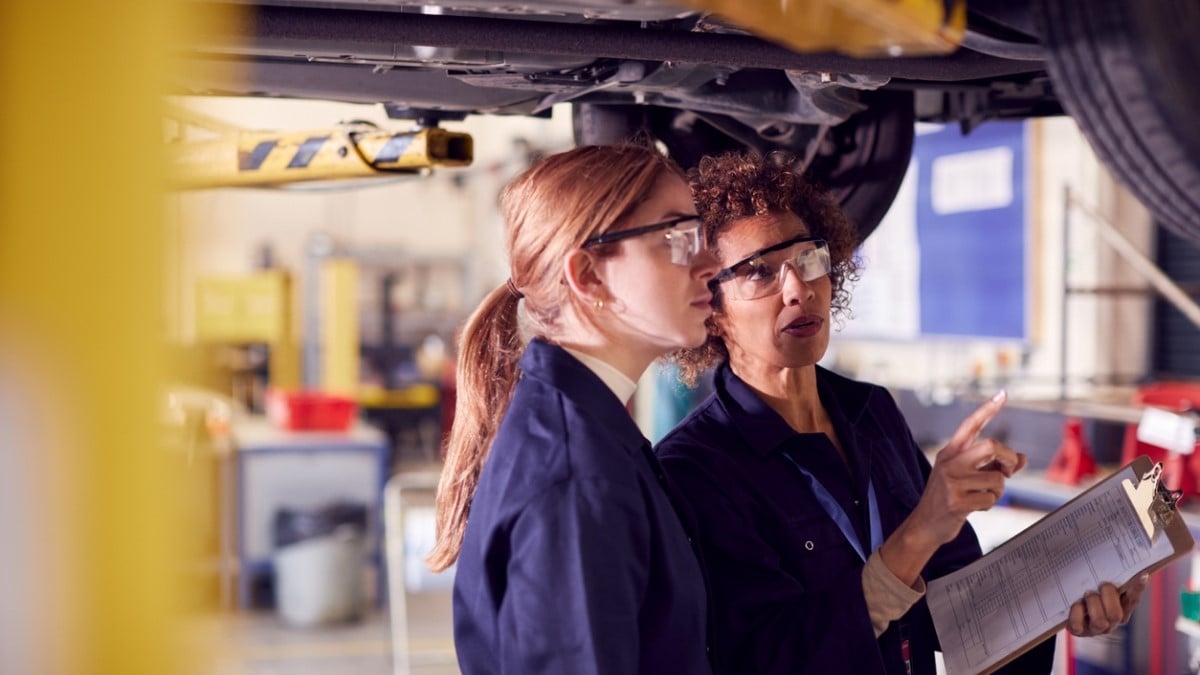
{"points": [[320, 580]]}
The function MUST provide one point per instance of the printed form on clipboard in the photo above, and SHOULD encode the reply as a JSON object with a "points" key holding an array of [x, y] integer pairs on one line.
{"points": [[995, 609]]}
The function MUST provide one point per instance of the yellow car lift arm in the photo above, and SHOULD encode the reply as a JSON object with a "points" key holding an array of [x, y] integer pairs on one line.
{"points": [[239, 158]]}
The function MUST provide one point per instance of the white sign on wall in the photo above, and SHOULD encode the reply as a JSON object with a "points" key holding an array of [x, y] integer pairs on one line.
{"points": [[972, 181]]}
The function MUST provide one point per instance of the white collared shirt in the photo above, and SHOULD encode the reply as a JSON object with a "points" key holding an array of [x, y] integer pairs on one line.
{"points": [[614, 379]]}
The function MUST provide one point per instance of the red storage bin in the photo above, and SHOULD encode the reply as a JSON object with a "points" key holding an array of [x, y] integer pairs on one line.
{"points": [[310, 410]]}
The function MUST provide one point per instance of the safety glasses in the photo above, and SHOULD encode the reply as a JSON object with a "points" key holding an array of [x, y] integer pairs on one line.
{"points": [[761, 274], [682, 234]]}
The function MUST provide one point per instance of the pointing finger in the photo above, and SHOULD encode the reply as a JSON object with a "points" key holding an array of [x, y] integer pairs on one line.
{"points": [[970, 427]]}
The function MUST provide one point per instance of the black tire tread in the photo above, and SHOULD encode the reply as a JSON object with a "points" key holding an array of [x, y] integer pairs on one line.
{"points": [[1101, 76]]}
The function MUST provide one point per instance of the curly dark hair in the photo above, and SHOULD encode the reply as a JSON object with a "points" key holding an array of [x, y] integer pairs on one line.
{"points": [[738, 185]]}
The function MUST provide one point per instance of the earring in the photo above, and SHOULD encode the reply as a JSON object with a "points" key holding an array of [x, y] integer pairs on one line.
{"points": [[599, 304]]}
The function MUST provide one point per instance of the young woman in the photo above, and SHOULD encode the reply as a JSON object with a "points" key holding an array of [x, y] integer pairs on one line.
{"points": [[571, 557], [818, 516]]}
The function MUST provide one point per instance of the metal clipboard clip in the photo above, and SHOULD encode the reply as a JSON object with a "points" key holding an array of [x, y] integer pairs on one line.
{"points": [[1152, 501]]}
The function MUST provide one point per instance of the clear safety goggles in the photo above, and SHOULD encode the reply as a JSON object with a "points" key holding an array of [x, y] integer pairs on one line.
{"points": [[682, 234], [762, 273]]}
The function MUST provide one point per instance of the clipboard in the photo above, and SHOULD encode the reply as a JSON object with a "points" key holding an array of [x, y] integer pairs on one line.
{"points": [[1002, 605]]}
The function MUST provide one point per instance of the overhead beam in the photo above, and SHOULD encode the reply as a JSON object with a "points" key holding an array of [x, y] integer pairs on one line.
{"points": [[299, 32]]}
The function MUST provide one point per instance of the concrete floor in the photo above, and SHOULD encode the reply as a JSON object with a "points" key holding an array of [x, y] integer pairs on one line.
{"points": [[261, 643]]}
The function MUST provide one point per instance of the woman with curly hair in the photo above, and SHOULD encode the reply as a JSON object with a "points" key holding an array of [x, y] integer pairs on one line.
{"points": [[571, 557], [819, 517]]}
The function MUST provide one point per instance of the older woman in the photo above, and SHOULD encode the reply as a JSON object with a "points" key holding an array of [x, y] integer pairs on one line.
{"points": [[819, 516]]}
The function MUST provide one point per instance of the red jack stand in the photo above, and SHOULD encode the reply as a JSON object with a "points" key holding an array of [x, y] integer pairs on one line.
{"points": [[1073, 462]]}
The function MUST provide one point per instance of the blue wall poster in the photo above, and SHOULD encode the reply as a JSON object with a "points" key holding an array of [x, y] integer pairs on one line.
{"points": [[950, 257]]}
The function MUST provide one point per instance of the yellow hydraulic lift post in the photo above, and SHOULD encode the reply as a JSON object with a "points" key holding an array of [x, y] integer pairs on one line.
{"points": [[339, 327], [81, 323]]}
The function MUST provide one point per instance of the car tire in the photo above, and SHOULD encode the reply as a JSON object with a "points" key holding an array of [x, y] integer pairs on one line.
{"points": [[1125, 70], [861, 161], [867, 158]]}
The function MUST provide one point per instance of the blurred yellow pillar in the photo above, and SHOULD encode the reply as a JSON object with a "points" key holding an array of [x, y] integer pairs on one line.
{"points": [[339, 326], [81, 346]]}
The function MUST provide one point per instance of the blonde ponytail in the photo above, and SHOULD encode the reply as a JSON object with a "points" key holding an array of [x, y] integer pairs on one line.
{"points": [[487, 374]]}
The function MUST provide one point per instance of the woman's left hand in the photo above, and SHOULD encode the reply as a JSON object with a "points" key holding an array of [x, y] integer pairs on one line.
{"points": [[1102, 610]]}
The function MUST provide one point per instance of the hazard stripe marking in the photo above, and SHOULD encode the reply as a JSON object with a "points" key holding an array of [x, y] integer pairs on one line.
{"points": [[251, 161], [394, 148], [307, 151]]}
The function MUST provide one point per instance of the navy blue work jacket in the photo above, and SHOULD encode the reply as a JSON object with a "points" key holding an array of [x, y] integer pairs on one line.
{"points": [[574, 559], [786, 583]]}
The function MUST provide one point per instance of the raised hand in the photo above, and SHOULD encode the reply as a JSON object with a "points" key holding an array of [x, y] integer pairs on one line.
{"points": [[968, 475]]}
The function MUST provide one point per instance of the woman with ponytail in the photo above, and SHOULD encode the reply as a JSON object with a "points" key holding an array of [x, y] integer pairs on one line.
{"points": [[571, 557]]}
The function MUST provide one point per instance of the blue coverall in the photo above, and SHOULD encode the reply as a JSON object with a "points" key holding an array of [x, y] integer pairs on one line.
{"points": [[574, 561], [786, 583]]}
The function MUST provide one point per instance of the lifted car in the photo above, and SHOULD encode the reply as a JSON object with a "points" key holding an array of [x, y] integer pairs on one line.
{"points": [[1126, 70]]}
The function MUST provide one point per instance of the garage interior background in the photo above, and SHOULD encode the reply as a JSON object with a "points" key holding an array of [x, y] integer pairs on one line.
{"points": [[107, 540], [224, 232], [1011, 297], [1113, 341]]}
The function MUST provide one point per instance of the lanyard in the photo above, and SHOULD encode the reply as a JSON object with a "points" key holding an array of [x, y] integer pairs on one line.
{"points": [[838, 514]]}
